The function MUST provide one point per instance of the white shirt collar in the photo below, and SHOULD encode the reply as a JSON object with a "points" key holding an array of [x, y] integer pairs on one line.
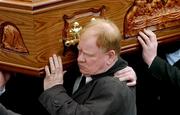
{"points": [[88, 79], [173, 57]]}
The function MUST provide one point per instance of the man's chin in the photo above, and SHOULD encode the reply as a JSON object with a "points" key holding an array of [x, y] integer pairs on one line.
{"points": [[83, 72]]}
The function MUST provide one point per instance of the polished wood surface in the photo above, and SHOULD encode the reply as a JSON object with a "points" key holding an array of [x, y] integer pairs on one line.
{"points": [[41, 25]]}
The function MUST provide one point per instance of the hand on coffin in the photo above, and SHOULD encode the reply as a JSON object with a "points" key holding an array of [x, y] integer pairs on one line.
{"points": [[54, 73], [149, 43], [4, 77]]}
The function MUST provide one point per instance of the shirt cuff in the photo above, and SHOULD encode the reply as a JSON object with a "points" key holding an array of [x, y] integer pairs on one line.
{"points": [[2, 90]]}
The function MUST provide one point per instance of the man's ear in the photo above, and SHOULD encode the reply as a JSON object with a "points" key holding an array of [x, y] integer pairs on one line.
{"points": [[111, 56]]}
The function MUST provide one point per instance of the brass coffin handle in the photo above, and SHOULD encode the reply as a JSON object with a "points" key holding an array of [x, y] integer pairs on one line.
{"points": [[71, 29], [74, 34]]}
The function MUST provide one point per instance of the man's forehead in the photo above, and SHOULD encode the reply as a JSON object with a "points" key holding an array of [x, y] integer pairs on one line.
{"points": [[89, 35], [92, 31], [87, 43]]}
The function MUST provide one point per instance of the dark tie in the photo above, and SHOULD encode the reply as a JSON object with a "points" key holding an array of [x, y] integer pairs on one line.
{"points": [[82, 83]]}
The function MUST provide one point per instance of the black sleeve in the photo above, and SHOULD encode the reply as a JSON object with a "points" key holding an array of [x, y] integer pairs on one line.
{"points": [[164, 71], [105, 99], [4, 111]]}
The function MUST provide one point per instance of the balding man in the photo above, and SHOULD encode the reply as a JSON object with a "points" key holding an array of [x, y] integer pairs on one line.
{"points": [[98, 60]]}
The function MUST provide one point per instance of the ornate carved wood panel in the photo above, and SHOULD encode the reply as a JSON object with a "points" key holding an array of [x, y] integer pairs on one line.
{"points": [[153, 14]]}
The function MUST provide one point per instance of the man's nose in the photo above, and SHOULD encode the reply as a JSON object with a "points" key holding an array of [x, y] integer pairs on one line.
{"points": [[81, 58]]}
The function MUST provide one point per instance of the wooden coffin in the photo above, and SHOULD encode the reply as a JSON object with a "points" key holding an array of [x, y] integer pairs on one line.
{"points": [[32, 30]]}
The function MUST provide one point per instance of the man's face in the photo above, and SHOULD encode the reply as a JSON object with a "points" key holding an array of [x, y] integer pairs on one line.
{"points": [[91, 59]]}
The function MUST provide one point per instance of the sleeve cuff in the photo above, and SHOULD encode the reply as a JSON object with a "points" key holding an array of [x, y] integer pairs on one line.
{"points": [[2, 90]]}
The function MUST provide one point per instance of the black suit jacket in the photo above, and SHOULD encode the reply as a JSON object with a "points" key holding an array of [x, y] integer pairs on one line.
{"points": [[163, 70], [4, 111], [104, 95]]}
